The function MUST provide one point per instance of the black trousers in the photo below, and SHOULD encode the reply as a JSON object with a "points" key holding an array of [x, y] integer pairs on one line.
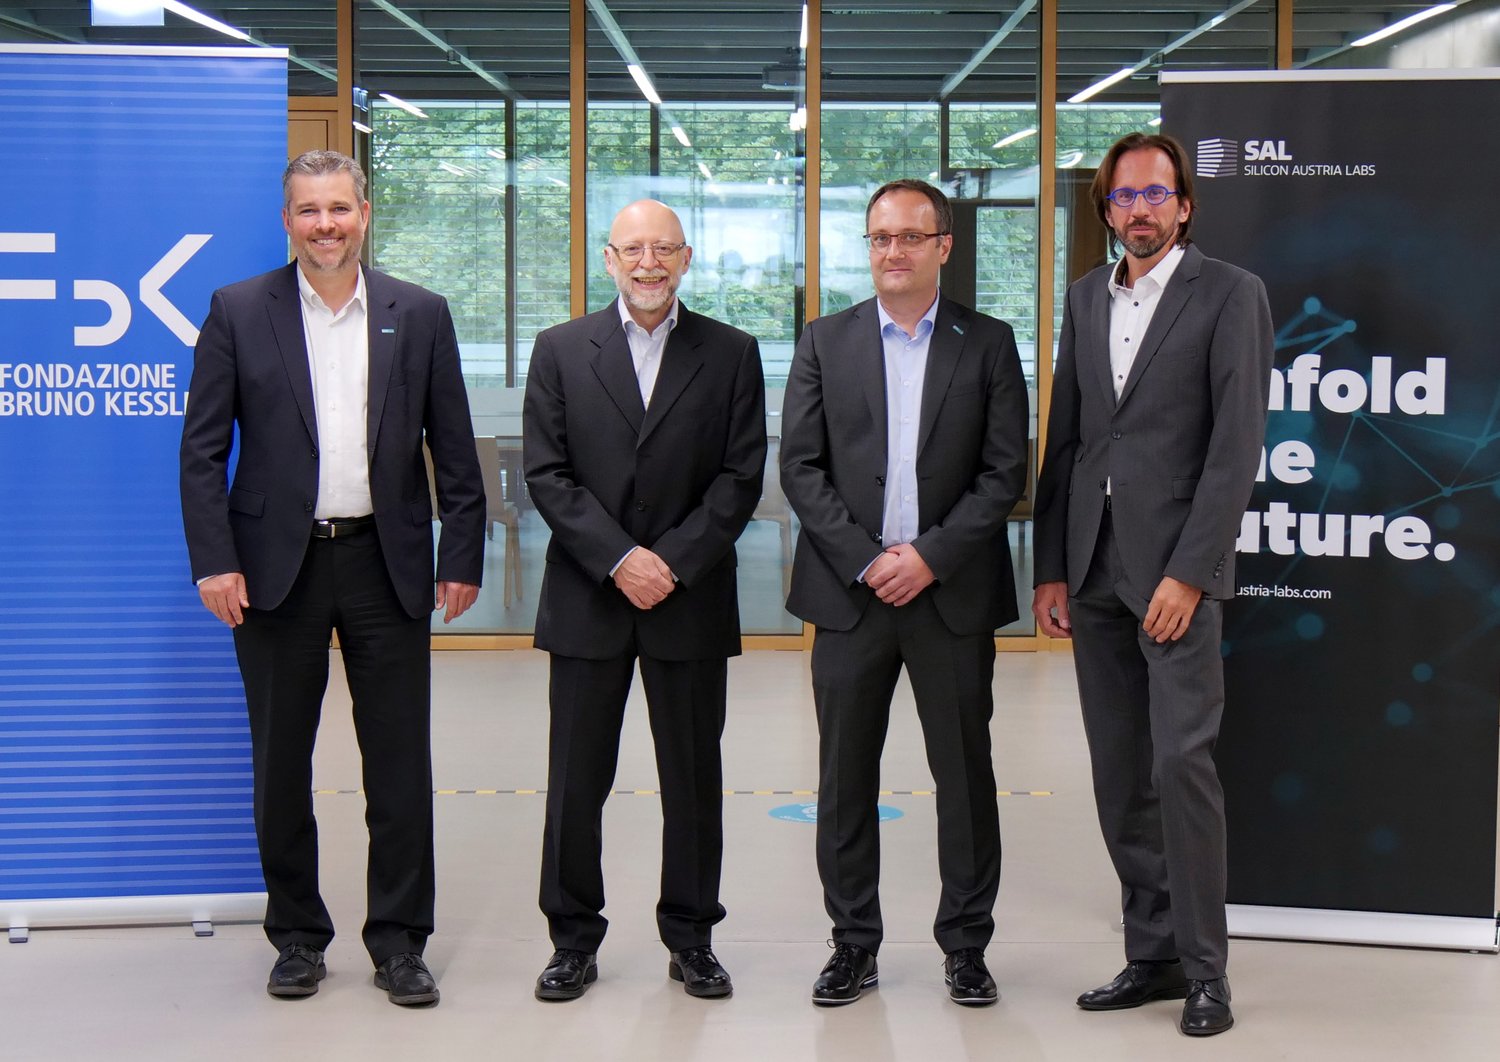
{"points": [[854, 674], [283, 656], [686, 703], [1151, 713]]}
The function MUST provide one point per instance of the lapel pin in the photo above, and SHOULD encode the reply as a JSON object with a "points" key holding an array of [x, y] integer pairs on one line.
{"points": [[387, 331], [959, 330]]}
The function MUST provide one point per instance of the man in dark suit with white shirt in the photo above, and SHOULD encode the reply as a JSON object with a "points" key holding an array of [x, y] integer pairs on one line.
{"points": [[645, 447], [903, 452], [329, 378], [1158, 418]]}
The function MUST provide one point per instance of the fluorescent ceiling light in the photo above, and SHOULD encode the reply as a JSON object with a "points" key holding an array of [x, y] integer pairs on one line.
{"points": [[492, 153], [455, 170], [802, 37], [1155, 123], [682, 138], [1397, 27], [363, 128], [192, 14], [1068, 161], [125, 13], [409, 108], [1014, 138], [644, 83], [703, 169], [1099, 86]]}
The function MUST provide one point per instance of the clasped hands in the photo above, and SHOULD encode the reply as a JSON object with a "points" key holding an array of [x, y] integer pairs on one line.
{"points": [[644, 578], [899, 574]]}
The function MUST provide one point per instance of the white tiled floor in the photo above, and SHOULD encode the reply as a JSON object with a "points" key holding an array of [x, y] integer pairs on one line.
{"points": [[159, 993]]}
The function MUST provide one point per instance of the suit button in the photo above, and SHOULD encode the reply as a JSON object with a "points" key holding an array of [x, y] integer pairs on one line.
{"points": [[1102, 483], [875, 538], [880, 480], [640, 506], [315, 453], [1114, 435], [307, 507]]}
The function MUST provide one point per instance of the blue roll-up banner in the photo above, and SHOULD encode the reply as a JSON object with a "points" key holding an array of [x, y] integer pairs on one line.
{"points": [[1362, 723], [137, 180]]}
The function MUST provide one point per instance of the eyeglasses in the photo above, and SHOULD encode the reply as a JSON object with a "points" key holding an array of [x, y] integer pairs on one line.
{"points": [[1154, 194], [632, 252], [907, 241]]}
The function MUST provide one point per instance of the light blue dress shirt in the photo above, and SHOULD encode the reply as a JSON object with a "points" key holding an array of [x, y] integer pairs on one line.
{"points": [[905, 372]]}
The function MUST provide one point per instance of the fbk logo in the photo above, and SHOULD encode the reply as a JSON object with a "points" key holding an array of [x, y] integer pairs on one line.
{"points": [[1263, 150], [117, 302], [1218, 158]]}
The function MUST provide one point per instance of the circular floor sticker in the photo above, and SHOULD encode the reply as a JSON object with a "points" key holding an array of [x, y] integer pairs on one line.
{"points": [[809, 812]]}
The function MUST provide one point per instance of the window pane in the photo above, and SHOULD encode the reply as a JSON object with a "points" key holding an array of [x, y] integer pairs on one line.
{"points": [[468, 160], [946, 93], [722, 151]]}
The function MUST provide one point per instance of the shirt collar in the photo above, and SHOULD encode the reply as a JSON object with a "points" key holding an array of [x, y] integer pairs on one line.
{"points": [[314, 300], [929, 318], [628, 322], [1159, 275]]}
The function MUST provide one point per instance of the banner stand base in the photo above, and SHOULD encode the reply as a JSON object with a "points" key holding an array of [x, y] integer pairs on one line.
{"points": [[1363, 927], [92, 912]]}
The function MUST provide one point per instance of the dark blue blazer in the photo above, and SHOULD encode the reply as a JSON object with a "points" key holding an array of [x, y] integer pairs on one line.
{"points": [[251, 380]]}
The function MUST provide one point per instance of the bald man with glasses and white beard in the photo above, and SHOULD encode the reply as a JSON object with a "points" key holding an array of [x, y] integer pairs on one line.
{"points": [[645, 447]]}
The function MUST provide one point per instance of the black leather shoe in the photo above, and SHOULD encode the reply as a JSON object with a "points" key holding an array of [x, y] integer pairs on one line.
{"points": [[406, 980], [700, 973], [1206, 1011], [851, 970], [567, 975], [1139, 982], [297, 972], [968, 980]]}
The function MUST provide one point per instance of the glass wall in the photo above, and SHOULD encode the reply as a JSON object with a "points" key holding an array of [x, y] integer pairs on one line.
{"points": [[1107, 85], [946, 93], [466, 138], [721, 143], [465, 120]]}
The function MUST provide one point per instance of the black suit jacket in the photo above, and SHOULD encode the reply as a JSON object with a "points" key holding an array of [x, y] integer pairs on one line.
{"points": [[1179, 447], [251, 372], [971, 465], [607, 474]]}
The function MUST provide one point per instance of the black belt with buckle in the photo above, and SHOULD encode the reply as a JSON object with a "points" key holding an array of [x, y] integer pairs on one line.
{"points": [[342, 526]]}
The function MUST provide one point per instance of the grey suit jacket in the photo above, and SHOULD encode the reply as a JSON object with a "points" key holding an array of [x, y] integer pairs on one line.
{"points": [[971, 465], [1181, 446]]}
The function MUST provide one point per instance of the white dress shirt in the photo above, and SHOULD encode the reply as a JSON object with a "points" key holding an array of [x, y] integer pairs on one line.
{"points": [[1131, 310], [646, 347], [338, 353], [1130, 313]]}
